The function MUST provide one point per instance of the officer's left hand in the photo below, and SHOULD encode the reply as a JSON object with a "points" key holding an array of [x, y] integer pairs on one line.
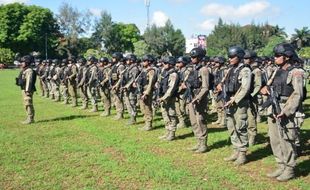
{"points": [[281, 115], [229, 103]]}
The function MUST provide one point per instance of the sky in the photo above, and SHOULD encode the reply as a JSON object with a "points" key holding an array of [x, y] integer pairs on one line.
{"points": [[193, 17]]}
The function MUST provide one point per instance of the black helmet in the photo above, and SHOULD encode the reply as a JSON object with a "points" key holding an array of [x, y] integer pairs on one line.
{"points": [[235, 51], [148, 57], [104, 60], [198, 52], [183, 59], [71, 58], [49, 61], [249, 54], [27, 59], [131, 57], [91, 59], [219, 59], [55, 61], [258, 60], [285, 49], [82, 60], [117, 55], [169, 60], [65, 61], [206, 59], [38, 60]]}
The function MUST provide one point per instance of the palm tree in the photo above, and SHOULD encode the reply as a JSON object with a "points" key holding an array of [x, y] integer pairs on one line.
{"points": [[301, 37], [276, 30]]}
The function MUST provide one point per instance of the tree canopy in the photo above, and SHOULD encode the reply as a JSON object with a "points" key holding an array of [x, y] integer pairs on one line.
{"points": [[23, 28]]}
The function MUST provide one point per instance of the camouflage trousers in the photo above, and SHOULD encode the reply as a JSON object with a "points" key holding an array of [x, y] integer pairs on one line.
{"points": [[131, 102], [180, 108], [237, 125], [83, 95], [197, 116], [105, 97], [282, 140], [169, 114], [64, 91], [28, 104], [146, 108], [73, 93], [92, 95], [118, 101]]}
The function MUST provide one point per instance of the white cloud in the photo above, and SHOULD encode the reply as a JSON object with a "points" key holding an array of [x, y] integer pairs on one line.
{"points": [[95, 11], [12, 1], [178, 1], [208, 24], [251, 9], [159, 18]]}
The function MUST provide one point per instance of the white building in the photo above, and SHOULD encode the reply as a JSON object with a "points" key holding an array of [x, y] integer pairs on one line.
{"points": [[195, 41]]}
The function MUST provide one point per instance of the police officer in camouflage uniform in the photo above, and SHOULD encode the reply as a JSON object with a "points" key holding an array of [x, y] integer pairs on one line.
{"points": [[92, 82], [40, 72], [104, 71], [180, 104], [197, 98], [249, 59], [116, 81], [167, 97], [72, 86], [81, 77], [287, 85], [55, 80], [130, 93], [219, 72], [145, 85], [26, 80], [63, 87], [238, 84]]}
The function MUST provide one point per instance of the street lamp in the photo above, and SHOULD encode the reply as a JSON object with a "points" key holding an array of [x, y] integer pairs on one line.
{"points": [[147, 5]]}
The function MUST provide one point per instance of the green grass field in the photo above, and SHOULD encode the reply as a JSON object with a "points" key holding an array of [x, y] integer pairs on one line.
{"points": [[68, 148]]}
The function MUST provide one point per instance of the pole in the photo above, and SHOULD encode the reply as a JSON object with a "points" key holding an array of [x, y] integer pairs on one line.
{"points": [[45, 46], [147, 4]]}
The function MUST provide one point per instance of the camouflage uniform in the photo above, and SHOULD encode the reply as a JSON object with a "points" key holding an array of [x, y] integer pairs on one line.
{"points": [[117, 73], [168, 92], [104, 88], [26, 80], [72, 83], [130, 92], [91, 85]]}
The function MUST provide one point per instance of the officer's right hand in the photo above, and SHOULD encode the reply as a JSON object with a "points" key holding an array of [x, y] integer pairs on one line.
{"points": [[183, 86], [264, 90], [219, 88]]}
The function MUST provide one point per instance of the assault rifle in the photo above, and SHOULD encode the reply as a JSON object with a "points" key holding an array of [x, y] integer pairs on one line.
{"points": [[276, 109]]}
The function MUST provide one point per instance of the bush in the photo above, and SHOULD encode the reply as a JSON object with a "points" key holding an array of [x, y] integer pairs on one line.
{"points": [[6, 56]]}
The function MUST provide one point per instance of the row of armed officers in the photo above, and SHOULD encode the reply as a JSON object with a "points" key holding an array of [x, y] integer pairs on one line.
{"points": [[186, 88]]}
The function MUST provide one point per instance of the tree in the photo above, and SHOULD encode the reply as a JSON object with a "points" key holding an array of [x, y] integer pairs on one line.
{"points": [[115, 36], [304, 52], [141, 48], [165, 40], [267, 50], [23, 28], [73, 24], [301, 38], [6, 56]]}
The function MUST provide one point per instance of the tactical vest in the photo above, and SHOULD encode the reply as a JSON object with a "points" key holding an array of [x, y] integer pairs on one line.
{"points": [[232, 83], [164, 83], [114, 74], [218, 76], [100, 74], [279, 83], [194, 80], [22, 81]]}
